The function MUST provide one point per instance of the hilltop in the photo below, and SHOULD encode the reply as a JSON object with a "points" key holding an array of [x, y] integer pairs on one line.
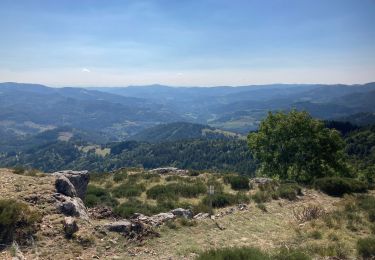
{"points": [[268, 224]]}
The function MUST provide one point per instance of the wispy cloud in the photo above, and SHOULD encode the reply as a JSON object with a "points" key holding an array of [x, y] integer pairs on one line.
{"points": [[86, 70]]}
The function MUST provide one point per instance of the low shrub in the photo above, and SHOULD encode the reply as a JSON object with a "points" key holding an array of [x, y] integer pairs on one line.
{"points": [[120, 176], [237, 182], [187, 222], [128, 190], [366, 247], [316, 234], [242, 197], [132, 206], [174, 190], [366, 202], [262, 207], [17, 221], [269, 186], [234, 253], [96, 196], [338, 186], [289, 191], [291, 254], [308, 213], [202, 208], [99, 177], [219, 200], [262, 196]]}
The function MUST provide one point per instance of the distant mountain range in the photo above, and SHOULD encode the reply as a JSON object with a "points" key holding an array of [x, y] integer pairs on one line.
{"points": [[114, 114]]}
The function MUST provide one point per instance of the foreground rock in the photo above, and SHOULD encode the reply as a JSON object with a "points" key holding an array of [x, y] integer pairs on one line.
{"points": [[68, 179], [70, 226], [122, 226], [73, 207], [169, 170], [133, 229], [64, 186]]}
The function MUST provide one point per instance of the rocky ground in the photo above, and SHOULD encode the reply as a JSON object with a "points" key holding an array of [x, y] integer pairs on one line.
{"points": [[95, 234]]}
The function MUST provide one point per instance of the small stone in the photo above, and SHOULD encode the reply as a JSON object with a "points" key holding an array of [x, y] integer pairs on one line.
{"points": [[70, 226]]}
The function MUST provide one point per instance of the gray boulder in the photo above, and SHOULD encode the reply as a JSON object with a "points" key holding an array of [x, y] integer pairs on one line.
{"points": [[73, 207], [201, 216], [79, 180], [64, 186], [180, 212], [122, 226]]}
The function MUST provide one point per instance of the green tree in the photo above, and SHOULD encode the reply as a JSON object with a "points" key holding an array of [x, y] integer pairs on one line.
{"points": [[295, 146]]}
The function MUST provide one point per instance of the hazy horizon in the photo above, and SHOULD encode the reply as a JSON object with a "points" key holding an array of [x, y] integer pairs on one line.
{"points": [[193, 43]]}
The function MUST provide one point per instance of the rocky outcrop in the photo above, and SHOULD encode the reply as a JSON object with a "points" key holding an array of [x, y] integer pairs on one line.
{"points": [[64, 186], [70, 226], [169, 170], [121, 226], [71, 206], [155, 220], [71, 187], [132, 229], [66, 179], [180, 212], [201, 216]]}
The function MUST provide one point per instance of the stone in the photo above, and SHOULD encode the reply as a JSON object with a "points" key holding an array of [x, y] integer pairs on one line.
{"points": [[201, 216], [121, 226], [73, 207], [180, 212], [64, 186], [70, 226], [160, 218], [79, 179]]}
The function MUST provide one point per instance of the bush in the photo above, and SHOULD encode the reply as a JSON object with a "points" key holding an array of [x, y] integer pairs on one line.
{"points": [[17, 221], [219, 200], [132, 206], [239, 253], [174, 190], [291, 254], [262, 207], [316, 234], [120, 176], [366, 247], [289, 191], [338, 186], [262, 196], [98, 196], [240, 183], [128, 190], [187, 222], [202, 208]]}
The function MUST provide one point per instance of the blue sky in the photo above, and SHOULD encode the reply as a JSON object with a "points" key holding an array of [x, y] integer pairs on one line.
{"points": [[187, 42]]}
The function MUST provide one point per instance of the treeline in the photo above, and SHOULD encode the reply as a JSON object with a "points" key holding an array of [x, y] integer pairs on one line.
{"points": [[198, 154]]}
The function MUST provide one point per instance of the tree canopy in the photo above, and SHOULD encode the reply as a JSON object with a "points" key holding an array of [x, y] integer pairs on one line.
{"points": [[295, 146]]}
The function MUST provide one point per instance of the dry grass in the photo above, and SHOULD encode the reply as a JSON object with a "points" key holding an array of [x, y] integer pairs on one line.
{"points": [[253, 227]]}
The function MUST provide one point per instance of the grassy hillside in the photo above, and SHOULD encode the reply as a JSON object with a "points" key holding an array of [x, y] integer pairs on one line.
{"points": [[274, 225]]}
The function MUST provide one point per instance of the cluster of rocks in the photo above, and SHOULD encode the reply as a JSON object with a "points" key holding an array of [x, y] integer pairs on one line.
{"points": [[71, 189], [239, 207], [101, 212], [169, 170]]}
